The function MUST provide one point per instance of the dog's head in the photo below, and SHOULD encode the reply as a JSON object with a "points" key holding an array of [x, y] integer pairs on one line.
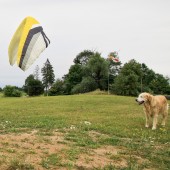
{"points": [[143, 98]]}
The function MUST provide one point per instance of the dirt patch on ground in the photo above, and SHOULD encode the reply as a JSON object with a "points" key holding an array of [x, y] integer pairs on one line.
{"points": [[42, 150], [102, 157]]}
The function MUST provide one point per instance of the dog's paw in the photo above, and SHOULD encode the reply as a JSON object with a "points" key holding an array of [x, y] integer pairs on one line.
{"points": [[163, 124], [146, 126], [153, 128]]}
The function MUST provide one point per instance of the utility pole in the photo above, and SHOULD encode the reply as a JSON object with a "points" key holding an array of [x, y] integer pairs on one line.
{"points": [[108, 81], [141, 86], [112, 57]]}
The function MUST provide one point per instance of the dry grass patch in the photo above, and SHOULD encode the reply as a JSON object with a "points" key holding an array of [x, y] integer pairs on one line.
{"points": [[29, 148], [50, 150]]}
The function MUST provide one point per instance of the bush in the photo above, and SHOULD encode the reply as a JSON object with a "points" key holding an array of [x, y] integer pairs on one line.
{"points": [[16, 93], [33, 87], [11, 91], [57, 88], [88, 84]]}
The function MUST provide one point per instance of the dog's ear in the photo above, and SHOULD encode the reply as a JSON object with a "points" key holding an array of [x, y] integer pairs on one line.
{"points": [[149, 97]]}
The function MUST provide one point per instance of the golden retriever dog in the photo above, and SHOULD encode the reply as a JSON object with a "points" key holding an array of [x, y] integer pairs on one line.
{"points": [[153, 106]]}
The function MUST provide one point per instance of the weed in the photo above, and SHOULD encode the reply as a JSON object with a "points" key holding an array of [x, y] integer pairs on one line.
{"points": [[52, 159], [73, 154], [10, 150], [16, 164]]}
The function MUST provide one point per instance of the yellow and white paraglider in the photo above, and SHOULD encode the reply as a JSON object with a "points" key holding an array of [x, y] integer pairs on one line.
{"points": [[28, 42]]}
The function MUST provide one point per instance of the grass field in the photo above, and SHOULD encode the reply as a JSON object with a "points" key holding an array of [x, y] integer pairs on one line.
{"points": [[80, 132]]}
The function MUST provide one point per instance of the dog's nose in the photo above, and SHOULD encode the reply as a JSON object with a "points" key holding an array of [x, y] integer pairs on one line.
{"points": [[136, 100]]}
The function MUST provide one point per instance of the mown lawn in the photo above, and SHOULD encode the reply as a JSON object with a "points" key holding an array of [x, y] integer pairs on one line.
{"points": [[85, 124]]}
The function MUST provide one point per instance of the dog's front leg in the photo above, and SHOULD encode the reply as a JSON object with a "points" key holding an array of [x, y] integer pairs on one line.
{"points": [[155, 120], [147, 118]]}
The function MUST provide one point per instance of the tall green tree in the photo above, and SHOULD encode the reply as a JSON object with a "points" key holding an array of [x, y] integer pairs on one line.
{"points": [[89, 72], [128, 82], [32, 86], [97, 68], [77, 70], [147, 76], [83, 57], [73, 77], [135, 78], [37, 73], [48, 76], [160, 84]]}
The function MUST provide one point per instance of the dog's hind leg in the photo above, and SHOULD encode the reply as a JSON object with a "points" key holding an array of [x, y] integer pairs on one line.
{"points": [[164, 120], [155, 120], [165, 115]]}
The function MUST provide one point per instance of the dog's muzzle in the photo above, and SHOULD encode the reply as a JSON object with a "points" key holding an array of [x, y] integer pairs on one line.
{"points": [[139, 102]]}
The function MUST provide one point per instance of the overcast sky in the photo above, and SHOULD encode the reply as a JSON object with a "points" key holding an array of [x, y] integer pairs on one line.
{"points": [[137, 29]]}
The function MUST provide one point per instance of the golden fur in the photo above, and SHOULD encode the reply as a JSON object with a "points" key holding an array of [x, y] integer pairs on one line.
{"points": [[153, 106]]}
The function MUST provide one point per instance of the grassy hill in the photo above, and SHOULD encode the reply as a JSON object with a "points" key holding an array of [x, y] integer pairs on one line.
{"points": [[79, 132]]}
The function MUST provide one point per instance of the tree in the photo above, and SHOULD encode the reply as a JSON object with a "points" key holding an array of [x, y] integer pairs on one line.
{"points": [[155, 83], [159, 84], [135, 78], [83, 57], [147, 76], [73, 77], [33, 87], [48, 76], [128, 81], [168, 87], [89, 66], [37, 72], [98, 69]]}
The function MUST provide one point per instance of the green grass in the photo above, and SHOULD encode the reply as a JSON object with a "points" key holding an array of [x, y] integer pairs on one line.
{"points": [[52, 159], [104, 112], [16, 164], [119, 118]]}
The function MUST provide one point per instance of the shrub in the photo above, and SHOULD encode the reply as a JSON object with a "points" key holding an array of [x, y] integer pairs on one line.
{"points": [[88, 84], [57, 88], [11, 91], [33, 87], [16, 93]]}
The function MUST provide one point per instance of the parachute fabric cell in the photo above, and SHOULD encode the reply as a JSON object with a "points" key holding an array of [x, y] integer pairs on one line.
{"points": [[28, 42]]}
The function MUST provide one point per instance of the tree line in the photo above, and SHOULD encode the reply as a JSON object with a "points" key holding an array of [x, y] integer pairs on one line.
{"points": [[91, 71]]}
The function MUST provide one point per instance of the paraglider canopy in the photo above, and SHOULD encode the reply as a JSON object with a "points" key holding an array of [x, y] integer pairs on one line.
{"points": [[28, 42]]}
